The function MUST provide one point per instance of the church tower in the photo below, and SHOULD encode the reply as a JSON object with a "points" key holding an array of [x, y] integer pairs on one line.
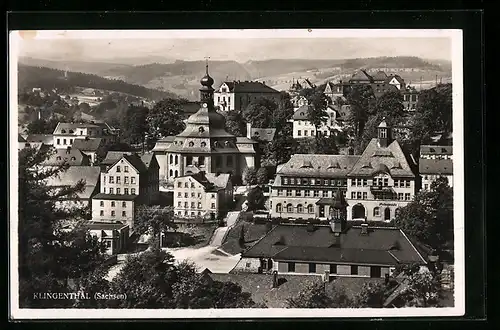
{"points": [[206, 90]]}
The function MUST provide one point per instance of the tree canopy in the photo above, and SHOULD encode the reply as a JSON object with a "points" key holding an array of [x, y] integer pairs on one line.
{"points": [[361, 99], [255, 199], [134, 124], [260, 112], [165, 118], [316, 296], [235, 123]]}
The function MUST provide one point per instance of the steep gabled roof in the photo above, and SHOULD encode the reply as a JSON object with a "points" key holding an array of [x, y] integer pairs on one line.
{"points": [[71, 156], [89, 174], [90, 144], [312, 165], [380, 76], [249, 87], [362, 75], [398, 78], [376, 158], [40, 138], [436, 166], [113, 156], [297, 243]]}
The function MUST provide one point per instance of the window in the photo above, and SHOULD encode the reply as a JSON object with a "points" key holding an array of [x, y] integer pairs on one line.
{"points": [[101, 213], [125, 180], [185, 195], [300, 209], [285, 180], [111, 191], [305, 133], [289, 208], [386, 182], [307, 193], [354, 270], [179, 204], [125, 169], [353, 195], [358, 195], [70, 141], [213, 196], [288, 193], [132, 179], [199, 195], [186, 185], [118, 191], [64, 141], [171, 159], [118, 169], [318, 181], [407, 196], [310, 208], [407, 183], [192, 185], [365, 182], [316, 193], [333, 269], [279, 209], [426, 186], [191, 144], [192, 205], [376, 212], [176, 161], [111, 179], [199, 205], [365, 195], [179, 184], [192, 194], [124, 213], [353, 182], [112, 204], [298, 193], [189, 160], [291, 267], [186, 205], [312, 133], [58, 141], [312, 268], [125, 191], [213, 206], [101, 203], [113, 213], [280, 192], [396, 183], [124, 204], [118, 179], [132, 191], [400, 196], [326, 182]]}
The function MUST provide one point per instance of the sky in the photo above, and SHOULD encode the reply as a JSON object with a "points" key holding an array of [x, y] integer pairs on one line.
{"points": [[241, 50]]}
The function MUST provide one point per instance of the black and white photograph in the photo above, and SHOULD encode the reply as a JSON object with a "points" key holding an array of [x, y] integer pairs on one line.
{"points": [[180, 174]]}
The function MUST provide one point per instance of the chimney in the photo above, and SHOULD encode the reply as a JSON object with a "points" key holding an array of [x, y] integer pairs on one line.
{"points": [[364, 229], [249, 130], [275, 279]]}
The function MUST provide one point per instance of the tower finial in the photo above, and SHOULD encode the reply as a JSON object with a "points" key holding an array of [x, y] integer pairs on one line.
{"points": [[206, 63]]}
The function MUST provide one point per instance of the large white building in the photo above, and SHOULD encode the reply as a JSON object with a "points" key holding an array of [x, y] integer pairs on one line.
{"points": [[303, 128], [237, 95], [435, 161], [66, 133]]}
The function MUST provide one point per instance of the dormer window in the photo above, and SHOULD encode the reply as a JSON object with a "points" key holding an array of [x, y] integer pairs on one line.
{"points": [[63, 131], [227, 144], [203, 144], [71, 131], [73, 158], [191, 144], [201, 129], [59, 158]]}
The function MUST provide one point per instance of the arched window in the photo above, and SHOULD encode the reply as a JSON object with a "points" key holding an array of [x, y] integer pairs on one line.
{"points": [[396, 212], [171, 159], [191, 144], [132, 191], [176, 174], [176, 160], [376, 212], [73, 158], [201, 129], [203, 144], [310, 208], [279, 208], [63, 131], [300, 209], [289, 208], [171, 172]]}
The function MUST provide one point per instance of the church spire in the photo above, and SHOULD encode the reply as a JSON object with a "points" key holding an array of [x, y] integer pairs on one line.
{"points": [[206, 90]]}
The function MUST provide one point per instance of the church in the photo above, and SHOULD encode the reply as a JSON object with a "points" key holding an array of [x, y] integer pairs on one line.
{"points": [[205, 145]]}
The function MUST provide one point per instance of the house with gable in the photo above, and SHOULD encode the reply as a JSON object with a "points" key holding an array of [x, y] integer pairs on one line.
{"points": [[92, 147], [202, 195], [70, 156], [237, 95], [303, 128], [66, 133]]}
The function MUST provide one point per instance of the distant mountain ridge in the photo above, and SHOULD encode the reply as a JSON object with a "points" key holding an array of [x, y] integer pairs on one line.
{"points": [[182, 77]]}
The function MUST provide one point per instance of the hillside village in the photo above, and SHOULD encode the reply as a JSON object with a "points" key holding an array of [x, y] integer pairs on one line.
{"points": [[275, 189]]}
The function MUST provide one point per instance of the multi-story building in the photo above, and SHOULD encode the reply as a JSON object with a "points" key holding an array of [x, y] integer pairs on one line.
{"points": [[71, 177], [381, 83], [334, 250], [381, 181], [435, 161], [303, 128], [410, 98], [113, 235], [126, 182], [66, 133], [306, 185], [205, 145], [202, 194], [334, 91], [237, 95]]}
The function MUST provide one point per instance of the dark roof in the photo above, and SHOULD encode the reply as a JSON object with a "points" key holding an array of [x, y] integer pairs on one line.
{"points": [[321, 245], [436, 150], [148, 160], [90, 144], [248, 87], [380, 75], [93, 225], [20, 138], [435, 166], [71, 156], [263, 134], [381, 88], [89, 174], [73, 126], [113, 156], [376, 158], [301, 112], [42, 138], [210, 181], [115, 197], [361, 75], [134, 159], [312, 165]]}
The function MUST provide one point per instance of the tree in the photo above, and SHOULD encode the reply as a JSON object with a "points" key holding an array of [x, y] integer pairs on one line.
{"points": [[154, 220], [84, 107], [250, 176], [134, 124], [260, 112], [283, 113], [317, 111], [422, 287], [280, 149], [361, 99], [255, 199], [235, 123], [316, 296], [41, 126], [371, 295], [262, 175], [429, 217], [326, 145], [165, 118], [48, 254]]}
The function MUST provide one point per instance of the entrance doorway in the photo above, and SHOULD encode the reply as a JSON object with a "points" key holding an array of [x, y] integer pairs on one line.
{"points": [[358, 211], [375, 272], [321, 211], [387, 214]]}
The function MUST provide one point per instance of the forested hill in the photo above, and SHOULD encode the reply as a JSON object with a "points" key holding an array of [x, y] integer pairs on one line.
{"points": [[392, 62], [46, 78]]}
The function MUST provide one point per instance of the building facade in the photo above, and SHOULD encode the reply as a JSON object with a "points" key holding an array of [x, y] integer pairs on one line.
{"points": [[205, 145], [435, 161], [381, 181], [113, 235], [237, 95], [410, 98], [66, 133], [202, 195], [303, 128]]}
